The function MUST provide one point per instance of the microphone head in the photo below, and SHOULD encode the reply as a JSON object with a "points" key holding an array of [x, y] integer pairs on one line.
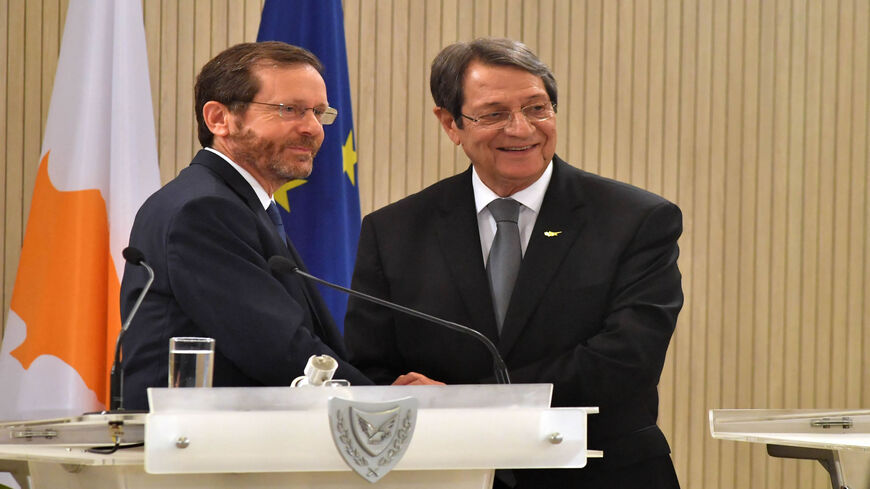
{"points": [[133, 255], [281, 264]]}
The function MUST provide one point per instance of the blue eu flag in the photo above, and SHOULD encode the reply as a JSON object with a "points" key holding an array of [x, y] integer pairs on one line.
{"points": [[321, 214]]}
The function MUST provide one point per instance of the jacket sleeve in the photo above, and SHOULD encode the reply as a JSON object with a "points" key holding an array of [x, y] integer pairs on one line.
{"points": [[626, 354], [219, 274], [369, 328]]}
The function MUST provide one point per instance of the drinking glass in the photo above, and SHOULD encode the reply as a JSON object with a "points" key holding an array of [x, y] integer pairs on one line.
{"points": [[191, 361]]}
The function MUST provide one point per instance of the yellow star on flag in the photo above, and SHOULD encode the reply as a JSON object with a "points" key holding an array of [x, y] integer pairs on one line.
{"points": [[348, 156], [281, 194]]}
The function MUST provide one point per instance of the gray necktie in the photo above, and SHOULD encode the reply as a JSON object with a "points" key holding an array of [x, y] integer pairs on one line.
{"points": [[505, 255], [272, 210]]}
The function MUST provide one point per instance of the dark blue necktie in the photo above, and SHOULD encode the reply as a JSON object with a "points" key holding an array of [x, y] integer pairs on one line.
{"points": [[272, 210]]}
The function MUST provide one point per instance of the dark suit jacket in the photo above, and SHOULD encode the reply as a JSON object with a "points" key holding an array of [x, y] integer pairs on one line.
{"points": [[592, 311], [209, 240]]}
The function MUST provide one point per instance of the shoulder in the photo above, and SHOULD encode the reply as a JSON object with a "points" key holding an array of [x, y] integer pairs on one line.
{"points": [[197, 193], [602, 192], [443, 195]]}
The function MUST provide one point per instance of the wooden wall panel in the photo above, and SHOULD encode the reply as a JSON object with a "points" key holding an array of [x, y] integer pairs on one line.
{"points": [[752, 115]]}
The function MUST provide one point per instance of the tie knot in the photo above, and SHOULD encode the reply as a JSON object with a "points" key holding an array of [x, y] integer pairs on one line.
{"points": [[504, 210], [272, 210]]}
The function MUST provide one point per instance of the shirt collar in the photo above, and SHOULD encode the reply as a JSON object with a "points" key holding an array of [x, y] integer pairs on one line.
{"points": [[531, 196], [263, 196]]}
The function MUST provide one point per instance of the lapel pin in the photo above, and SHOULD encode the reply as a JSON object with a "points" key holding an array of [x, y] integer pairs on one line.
{"points": [[550, 234]]}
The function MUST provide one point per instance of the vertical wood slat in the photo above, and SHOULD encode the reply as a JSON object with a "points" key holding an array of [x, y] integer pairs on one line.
{"points": [[184, 83], [167, 137], [593, 95], [365, 104], [382, 102], [858, 315], [32, 95], [751, 115], [839, 252], [560, 63], [431, 33], [680, 355], [14, 216], [4, 246], [573, 78], [398, 102], [449, 32], [419, 102]]}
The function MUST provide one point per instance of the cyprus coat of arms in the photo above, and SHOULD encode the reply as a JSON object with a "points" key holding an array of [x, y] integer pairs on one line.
{"points": [[372, 436]]}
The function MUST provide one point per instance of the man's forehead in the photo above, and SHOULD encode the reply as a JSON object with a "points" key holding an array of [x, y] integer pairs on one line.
{"points": [[482, 92], [306, 82], [270, 69]]}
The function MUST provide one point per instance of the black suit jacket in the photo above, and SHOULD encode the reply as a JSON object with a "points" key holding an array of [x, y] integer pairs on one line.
{"points": [[592, 312], [209, 240]]}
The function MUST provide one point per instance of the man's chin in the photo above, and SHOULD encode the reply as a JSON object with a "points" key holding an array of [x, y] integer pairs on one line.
{"points": [[296, 169]]}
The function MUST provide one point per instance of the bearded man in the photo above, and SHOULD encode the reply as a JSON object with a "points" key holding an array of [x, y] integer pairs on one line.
{"points": [[209, 233]]}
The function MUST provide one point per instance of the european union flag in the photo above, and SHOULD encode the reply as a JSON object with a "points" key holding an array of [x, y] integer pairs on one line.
{"points": [[322, 214]]}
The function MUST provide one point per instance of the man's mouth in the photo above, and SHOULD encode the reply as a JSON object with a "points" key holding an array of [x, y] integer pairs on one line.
{"points": [[517, 148]]}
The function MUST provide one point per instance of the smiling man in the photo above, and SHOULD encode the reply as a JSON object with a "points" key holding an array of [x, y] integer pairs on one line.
{"points": [[573, 276], [208, 234]]}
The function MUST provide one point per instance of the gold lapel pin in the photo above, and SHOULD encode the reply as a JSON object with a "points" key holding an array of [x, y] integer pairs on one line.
{"points": [[550, 234]]}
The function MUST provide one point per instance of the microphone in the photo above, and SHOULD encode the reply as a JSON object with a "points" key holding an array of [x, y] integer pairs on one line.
{"points": [[116, 383], [284, 265]]}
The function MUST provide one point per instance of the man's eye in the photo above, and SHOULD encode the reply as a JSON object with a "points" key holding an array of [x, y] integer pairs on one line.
{"points": [[494, 116], [318, 111], [537, 109], [291, 109]]}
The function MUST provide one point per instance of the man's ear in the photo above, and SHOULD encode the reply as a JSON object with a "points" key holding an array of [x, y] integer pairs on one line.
{"points": [[217, 117], [446, 119]]}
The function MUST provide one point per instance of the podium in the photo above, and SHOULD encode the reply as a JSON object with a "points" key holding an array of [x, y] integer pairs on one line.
{"points": [[275, 437], [839, 440]]}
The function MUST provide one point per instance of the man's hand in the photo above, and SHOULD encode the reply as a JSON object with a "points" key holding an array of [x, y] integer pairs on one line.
{"points": [[413, 378]]}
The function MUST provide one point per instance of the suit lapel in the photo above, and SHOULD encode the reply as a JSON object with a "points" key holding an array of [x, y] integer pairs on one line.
{"points": [[459, 239], [562, 220], [243, 189], [229, 175]]}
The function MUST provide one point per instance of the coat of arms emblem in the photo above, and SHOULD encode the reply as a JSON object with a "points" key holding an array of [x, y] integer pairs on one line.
{"points": [[372, 436]]}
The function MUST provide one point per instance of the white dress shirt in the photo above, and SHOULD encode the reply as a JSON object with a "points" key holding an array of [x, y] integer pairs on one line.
{"points": [[264, 197], [530, 197]]}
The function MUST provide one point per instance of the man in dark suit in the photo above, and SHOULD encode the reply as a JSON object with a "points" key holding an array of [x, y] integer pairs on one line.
{"points": [[592, 304], [209, 233]]}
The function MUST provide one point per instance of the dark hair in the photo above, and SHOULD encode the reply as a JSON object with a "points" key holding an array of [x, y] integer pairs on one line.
{"points": [[449, 67], [229, 77]]}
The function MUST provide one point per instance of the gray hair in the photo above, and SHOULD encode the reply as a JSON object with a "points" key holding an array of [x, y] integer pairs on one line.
{"points": [[449, 67]]}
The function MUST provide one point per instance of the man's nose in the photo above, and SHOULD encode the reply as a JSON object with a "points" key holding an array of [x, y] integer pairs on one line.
{"points": [[518, 123], [309, 124]]}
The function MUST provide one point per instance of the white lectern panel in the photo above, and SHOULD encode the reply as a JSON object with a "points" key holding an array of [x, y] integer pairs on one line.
{"points": [[280, 430]]}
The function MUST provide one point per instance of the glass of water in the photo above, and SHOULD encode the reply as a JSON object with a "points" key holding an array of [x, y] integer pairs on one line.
{"points": [[191, 361]]}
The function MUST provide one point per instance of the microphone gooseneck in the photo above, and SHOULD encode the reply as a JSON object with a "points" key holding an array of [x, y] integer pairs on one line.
{"points": [[280, 264], [116, 379]]}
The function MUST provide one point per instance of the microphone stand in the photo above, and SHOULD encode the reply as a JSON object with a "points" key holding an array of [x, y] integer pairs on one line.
{"points": [[501, 371], [116, 377]]}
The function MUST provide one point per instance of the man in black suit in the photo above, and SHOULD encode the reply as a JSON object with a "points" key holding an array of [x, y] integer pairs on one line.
{"points": [[208, 233], [594, 301]]}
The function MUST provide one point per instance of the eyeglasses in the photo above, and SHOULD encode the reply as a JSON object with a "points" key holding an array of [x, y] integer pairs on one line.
{"points": [[325, 116], [500, 118]]}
